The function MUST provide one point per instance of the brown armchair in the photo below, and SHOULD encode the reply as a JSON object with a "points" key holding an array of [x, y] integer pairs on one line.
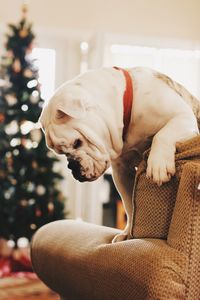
{"points": [[161, 261]]}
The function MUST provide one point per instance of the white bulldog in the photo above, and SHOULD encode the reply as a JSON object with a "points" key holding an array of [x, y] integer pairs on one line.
{"points": [[84, 121]]}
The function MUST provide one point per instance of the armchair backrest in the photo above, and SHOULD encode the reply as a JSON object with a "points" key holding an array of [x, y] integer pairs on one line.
{"points": [[154, 205]]}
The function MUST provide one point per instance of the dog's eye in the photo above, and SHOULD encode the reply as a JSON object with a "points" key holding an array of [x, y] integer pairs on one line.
{"points": [[77, 143], [60, 114]]}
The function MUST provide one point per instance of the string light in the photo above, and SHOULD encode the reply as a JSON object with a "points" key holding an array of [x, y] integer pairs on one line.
{"points": [[32, 83], [34, 145], [22, 242], [33, 226], [15, 142], [11, 243], [24, 107], [26, 127], [15, 152]]}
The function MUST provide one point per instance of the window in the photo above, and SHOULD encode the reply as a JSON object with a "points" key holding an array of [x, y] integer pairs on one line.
{"points": [[181, 65], [45, 61]]}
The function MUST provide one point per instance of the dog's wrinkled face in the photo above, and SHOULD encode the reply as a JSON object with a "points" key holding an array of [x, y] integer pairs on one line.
{"points": [[72, 129]]}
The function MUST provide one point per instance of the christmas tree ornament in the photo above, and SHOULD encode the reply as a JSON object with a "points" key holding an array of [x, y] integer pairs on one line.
{"points": [[26, 127], [12, 128], [13, 181], [50, 154], [33, 226], [16, 65], [2, 117], [8, 61], [31, 201], [22, 171], [34, 98], [22, 242], [38, 212], [15, 152], [34, 145], [34, 164], [23, 203], [30, 187], [25, 96], [24, 8], [57, 167], [2, 83], [24, 107], [11, 99], [11, 244], [28, 144], [8, 154], [14, 142], [23, 33], [50, 207], [36, 135], [28, 73], [5, 248], [40, 190], [7, 195], [32, 83]]}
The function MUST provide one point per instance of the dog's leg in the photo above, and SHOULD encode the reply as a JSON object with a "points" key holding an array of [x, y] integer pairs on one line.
{"points": [[123, 176], [161, 162]]}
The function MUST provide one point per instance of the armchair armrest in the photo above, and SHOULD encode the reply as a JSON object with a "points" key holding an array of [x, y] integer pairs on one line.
{"points": [[184, 231]]}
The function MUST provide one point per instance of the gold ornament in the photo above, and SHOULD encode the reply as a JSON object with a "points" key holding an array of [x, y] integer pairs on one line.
{"points": [[50, 207], [16, 66], [23, 203], [11, 99], [33, 226], [28, 73], [23, 33], [34, 164]]}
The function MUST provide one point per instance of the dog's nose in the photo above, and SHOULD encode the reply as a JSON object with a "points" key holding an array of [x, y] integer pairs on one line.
{"points": [[73, 164]]}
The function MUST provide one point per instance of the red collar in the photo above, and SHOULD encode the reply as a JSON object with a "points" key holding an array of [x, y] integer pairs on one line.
{"points": [[127, 100]]}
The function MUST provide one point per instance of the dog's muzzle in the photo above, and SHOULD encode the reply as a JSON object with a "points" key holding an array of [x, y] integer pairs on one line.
{"points": [[77, 170]]}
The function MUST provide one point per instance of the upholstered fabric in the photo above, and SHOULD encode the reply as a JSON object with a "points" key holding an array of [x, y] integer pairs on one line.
{"points": [[78, 260], [153, 205]]}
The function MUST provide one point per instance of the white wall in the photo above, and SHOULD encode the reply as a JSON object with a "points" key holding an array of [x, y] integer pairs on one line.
{"points": [[170, 18]]}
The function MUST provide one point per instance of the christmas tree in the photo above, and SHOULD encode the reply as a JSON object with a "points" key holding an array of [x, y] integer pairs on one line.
{"points": [[29, 197]]}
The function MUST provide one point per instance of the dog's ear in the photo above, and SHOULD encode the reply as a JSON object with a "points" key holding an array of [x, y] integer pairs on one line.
{"points": [[72, 100], [75, 108]]}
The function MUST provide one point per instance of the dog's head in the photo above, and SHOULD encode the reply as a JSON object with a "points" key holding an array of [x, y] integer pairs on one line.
{"points": [[73, 127]]}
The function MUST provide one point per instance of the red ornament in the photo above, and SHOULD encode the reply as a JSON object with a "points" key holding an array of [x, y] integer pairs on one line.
{"points": [[2, 117], [38, 212]]}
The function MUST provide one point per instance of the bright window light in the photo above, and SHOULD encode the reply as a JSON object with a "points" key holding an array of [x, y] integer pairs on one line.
{"points": [[45, 61], [181, 65]]}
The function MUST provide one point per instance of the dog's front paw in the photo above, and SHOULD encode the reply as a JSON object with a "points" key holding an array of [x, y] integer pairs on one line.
{"points": [[161, 166]]}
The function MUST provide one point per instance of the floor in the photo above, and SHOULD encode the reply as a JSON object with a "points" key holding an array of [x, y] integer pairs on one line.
{"points": [[25, 288]]}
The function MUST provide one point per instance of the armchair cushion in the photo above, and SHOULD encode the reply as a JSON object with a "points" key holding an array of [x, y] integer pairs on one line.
{"points": [[79, 261]]}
